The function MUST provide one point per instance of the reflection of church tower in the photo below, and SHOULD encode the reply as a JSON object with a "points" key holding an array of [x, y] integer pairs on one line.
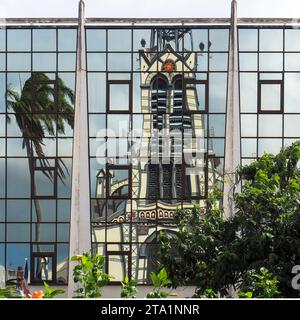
{"points": [[170, 96]]}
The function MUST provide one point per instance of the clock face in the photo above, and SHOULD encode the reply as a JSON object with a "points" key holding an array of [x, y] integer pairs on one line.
{"points": [[169, 66]]}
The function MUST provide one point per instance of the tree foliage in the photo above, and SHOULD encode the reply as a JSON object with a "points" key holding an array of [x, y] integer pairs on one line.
{"points": [[264, 232]]}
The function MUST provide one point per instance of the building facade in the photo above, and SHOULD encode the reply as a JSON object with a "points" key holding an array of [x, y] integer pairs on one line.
{"points": [[107, 127]]}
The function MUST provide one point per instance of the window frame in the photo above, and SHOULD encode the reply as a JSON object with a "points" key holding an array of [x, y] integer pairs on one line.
{"points": [[259, 89], [118, 82]]}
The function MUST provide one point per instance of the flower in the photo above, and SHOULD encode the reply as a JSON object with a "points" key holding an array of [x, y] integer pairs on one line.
{"points": [[37, 294], [78, 257]]}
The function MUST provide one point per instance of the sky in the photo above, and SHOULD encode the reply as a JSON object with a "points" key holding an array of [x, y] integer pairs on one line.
{"points": [[149, 8]]}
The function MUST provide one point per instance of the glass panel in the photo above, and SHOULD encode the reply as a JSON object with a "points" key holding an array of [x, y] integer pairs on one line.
{"points": [[15, 257], [291, 125], [195, 97], [98, 147], [18, 61], [118, 182], [270, 125], [118, 125], [2, 146], [217, 125], [292, 61], [118, 266], [248, 39], [18, 210], [270, 76], [219, 39], [119, 40], [97, 92], [2, 232], [64, 186], [2, 62], [63, 210], [46, 232], [138, 35], [248, 125], [63, 232], [97, 168], [2, 178], [43, 267], [218, 61], [96, 40], [292, 92], [3, 125], [216, 147], [44, 62], [292, 40], [44, 39], [18, 40], [249, 148], [66, 61], [269, 146], [96, 61], [200, 39], [62, 263], [119, 97], [18, 232], [270, 97], [97, 126], [44, 210], [2, 94], [217, 92], [2, 210], [2, 39], [117, 147], [67, 39], [270, 61], [44, 186], [17, 171], [119, 61], [248, 61], [65, 147], [271, 39], [2, 265]]}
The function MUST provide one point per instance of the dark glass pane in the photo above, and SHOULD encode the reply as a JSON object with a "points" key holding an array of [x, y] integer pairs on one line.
{"points": [[44, 40], [67, 39], [96, 61], [96, 40], [18, 40], [119, 40], [66, 61], [18, 232], [18, 61], [248, 39], [97, 92], [18, 172], [43, 268], [270, 40], [18, 210]]}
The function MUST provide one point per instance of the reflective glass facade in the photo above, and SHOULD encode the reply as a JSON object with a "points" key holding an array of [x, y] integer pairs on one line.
{"points": [[151, 93]]}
